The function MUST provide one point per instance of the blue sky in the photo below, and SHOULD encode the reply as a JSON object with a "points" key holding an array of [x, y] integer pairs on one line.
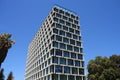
{"points": [[99, 20]]}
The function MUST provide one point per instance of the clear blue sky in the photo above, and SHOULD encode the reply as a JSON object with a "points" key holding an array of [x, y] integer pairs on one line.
{"points": [[99, 20]]}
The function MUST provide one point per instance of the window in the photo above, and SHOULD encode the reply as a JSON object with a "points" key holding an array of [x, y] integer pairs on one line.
{"points": [[74, 70], [82, 64], [75, 37], [52, 68], [67, 14], [55, 31], [73, 55], [62, 22], [77, 32], [74, 26], [72, 41], [68, 24], [58, 52], [66, 69], [64, 17], [46, 70], [58, 38], [49, 61], [55, 44], [80, 56], [70, 77], [56, 19], [81, 50], [68, 35], [70, 62], [55, 9], [62, 61], [79, 37], [61, 11], [71, 20], [66, 40], [65, 28], [58, 69], [54, 76], [72, 16], [81, 71], [78, 78], [62, 33], [78, 43], [63, 77], [76, 22], [58, 15], [66, 54], [62, 46], [77, 63], [55, 60], [69, 47], [71, 30], [58, 26], [76, 49]]}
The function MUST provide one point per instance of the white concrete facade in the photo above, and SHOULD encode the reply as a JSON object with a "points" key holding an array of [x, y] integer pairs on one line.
{"points": [[56, 52]]}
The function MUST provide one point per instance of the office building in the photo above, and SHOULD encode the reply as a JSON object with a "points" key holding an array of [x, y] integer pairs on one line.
{"points": [[56, 51]]}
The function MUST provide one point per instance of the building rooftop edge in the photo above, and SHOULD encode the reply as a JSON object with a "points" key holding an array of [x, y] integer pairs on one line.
{"points": [[67, 10]]}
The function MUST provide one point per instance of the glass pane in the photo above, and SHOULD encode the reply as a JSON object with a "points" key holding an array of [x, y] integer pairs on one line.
{"points": [[63, 77], [78, 78], [55, 44], [69, 47], [68, 35], [81, 71], [55, 60], [62, 46], [77, 63], [58, 68], [76, 49], [70, 77], [55, 31], [80, 56], [62, 33], [58, 38], [73, 55], [70, 62], [66, 40], [65, 28], [72, 41], [52, 68], [58, 52], [54, 77], [62, 61], [66, 54], [66, 69], [74, 70]]}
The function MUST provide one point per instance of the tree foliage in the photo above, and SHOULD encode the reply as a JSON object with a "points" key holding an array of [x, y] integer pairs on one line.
{"points": [[2, 74], [10, 76], [5, 44], [103, 68]]}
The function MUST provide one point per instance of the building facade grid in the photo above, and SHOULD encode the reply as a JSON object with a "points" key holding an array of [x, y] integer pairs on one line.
{"points": [[56, 52]]}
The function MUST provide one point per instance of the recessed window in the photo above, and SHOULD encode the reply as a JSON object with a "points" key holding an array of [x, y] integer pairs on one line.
{"points": [[78, 43], [82, 64], [80, 56], [55, 9], [76, 22], [55, 31], [72, 16], [73, 25], [58, 52], [66, 69], [69, 47], [55, 19], [76, 49], [58, 15], [77, 32], [66, 40], [63, 77], [64, 17], [55, 44], [54, 76], [52, 68], [58, 69], [55, 60], [62, 33], [65, 28], [68, 24], [77, 63], [73, 55], [71, 20], [58, 26], [68, 35], [62, 22], [75, 37], [70, 77], [72, 41], [81, 71], [70, 62], [71, 30], [67, 14], [60, 11], [62, 46], [66, 54], [62, 61], [58, 38], [79, 78], [74, 70]]}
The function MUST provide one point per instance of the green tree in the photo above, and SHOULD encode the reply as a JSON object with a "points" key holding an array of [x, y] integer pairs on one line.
{"points": [[2, 74], [5, 44], [10, 76], [103, 68]]}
